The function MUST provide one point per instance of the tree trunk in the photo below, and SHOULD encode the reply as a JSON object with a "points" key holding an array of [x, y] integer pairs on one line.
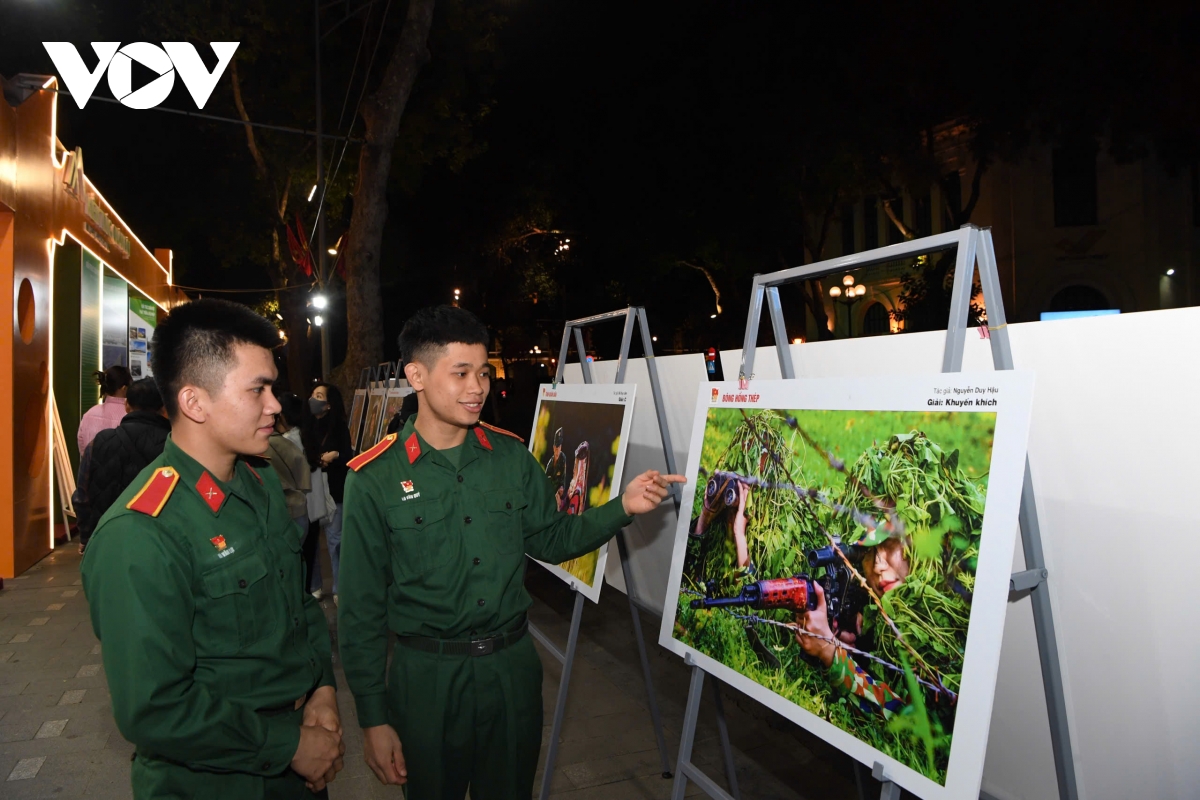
{"points": [[381, 114]]}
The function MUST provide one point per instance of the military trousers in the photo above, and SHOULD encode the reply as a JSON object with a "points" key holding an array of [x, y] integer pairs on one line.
{"points": [[468, 722], [159, 779]]}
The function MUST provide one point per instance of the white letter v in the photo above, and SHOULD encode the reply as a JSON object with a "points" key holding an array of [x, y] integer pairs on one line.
{"points": [[74, 73], [198, 80]]}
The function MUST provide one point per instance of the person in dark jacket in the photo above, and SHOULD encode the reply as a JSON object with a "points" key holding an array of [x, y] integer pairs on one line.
{"points": [[117, 455], [326, 438]]}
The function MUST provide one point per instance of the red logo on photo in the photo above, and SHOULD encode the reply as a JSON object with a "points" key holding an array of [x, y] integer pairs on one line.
{"points": [[715, 394]]}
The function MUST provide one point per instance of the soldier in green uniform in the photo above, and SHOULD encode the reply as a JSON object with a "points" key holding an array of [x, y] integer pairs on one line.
{"points": [[218, 662], [438, 521], [556, 470]]}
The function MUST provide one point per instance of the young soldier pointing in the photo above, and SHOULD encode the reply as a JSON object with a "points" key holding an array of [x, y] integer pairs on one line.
{"points": [[438, 520]]}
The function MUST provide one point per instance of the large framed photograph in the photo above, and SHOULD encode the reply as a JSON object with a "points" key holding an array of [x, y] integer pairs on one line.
{"points": [[356, 415], [392, 403], [375, 402], [846, 555], [580, 432]]}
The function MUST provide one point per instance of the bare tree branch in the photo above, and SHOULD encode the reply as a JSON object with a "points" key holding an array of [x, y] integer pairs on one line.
{"points": [[711, 280], [259, 163]]}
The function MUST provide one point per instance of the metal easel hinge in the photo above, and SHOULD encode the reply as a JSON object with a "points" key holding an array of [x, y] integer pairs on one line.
{"points": [[1026, 580]]}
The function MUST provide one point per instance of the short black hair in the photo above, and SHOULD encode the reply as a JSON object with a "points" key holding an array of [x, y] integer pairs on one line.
{"points": [[431, 329], [144, 395], [195, 345]]}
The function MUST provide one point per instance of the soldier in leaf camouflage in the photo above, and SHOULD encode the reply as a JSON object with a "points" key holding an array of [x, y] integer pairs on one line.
{"points": [[218, 662], [439, 519]]}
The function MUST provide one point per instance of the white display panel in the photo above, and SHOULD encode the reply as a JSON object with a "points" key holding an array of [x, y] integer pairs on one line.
{"points": [[580, 436]]}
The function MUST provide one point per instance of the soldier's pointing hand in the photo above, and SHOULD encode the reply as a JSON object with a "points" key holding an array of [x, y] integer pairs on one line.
{"points": [[646, 491]]}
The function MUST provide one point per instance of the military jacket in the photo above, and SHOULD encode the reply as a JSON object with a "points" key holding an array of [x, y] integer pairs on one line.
{"points": [[437, 550], [196, 594]]}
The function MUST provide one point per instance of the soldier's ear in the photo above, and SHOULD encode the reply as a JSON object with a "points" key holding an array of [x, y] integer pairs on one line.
{"points": [[415, 374], [191, 401]]}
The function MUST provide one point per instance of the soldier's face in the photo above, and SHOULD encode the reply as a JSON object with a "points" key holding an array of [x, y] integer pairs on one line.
{"points": [[454, 387], [241, 416], [885, 566]]}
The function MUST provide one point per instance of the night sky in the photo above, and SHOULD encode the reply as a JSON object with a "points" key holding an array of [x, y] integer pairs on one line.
{"points": [[652, 135]]}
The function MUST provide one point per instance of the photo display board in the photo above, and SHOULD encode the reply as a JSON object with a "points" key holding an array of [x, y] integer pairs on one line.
{"points": [[845, 559], [580, 433], [391, 406], [356, 415], [374, 417]]}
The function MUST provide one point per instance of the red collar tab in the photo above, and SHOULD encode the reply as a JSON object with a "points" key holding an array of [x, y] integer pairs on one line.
{"points": [[413, 448], [210, 492], [482, 437]]}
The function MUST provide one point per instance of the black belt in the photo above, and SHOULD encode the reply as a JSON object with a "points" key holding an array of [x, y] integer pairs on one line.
{"points": [[466, 647]]}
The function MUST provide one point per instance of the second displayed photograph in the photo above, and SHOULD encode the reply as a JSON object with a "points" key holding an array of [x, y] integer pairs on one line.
{"points": [[579, 437]]}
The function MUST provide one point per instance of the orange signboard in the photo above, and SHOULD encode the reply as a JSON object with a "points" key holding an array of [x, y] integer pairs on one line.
{"points": [[46, 199]]}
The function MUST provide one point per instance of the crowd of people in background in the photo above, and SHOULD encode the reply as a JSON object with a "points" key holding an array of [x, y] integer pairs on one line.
{"points": [[309, 450]]}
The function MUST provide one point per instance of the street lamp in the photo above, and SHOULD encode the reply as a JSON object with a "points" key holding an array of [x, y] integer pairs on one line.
{"points": [[318, 320], [319, 301], [848, 298]]}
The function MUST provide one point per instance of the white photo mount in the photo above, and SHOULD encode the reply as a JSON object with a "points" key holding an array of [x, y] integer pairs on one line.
{"points": [[621, 396], [1013, 397], [974, 248]]}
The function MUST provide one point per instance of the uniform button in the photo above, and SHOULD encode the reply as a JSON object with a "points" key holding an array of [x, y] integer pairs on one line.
{"points": [[481, 601], [475, 561], [296, 621], [508, 506], [266, 765], [281, 573], [418, 520], [460, 478], [467, 520], [241, 583]]}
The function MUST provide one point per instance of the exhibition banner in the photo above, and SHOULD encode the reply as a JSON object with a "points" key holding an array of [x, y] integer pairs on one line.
{"points": [[846, 559], [143, 319], [580, 433]]}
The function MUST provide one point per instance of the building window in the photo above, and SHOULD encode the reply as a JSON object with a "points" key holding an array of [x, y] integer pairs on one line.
{"points": [[847, 230], [1075, 185], [876, 320], [871, 223]]}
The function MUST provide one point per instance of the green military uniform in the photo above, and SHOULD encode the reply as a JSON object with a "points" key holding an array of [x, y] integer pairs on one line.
{"points": [[433, 548], [196, 593]]}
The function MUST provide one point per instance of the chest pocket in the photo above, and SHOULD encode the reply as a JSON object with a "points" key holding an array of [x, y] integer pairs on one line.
{"points": [[235, 612], [419, 538], [504, 507]]}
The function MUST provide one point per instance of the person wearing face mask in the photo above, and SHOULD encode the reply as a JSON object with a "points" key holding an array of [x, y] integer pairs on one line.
{"points": [[326, 438]]}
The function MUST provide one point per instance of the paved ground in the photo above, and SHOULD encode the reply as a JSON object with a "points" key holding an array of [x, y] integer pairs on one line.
{"points": [[58, 739]]}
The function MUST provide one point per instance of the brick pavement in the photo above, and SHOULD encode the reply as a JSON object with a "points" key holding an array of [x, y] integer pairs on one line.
{"points": [[58, 738]]}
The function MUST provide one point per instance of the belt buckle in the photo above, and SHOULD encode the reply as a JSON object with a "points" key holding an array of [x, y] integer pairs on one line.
{"points": [[482, 647]]}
